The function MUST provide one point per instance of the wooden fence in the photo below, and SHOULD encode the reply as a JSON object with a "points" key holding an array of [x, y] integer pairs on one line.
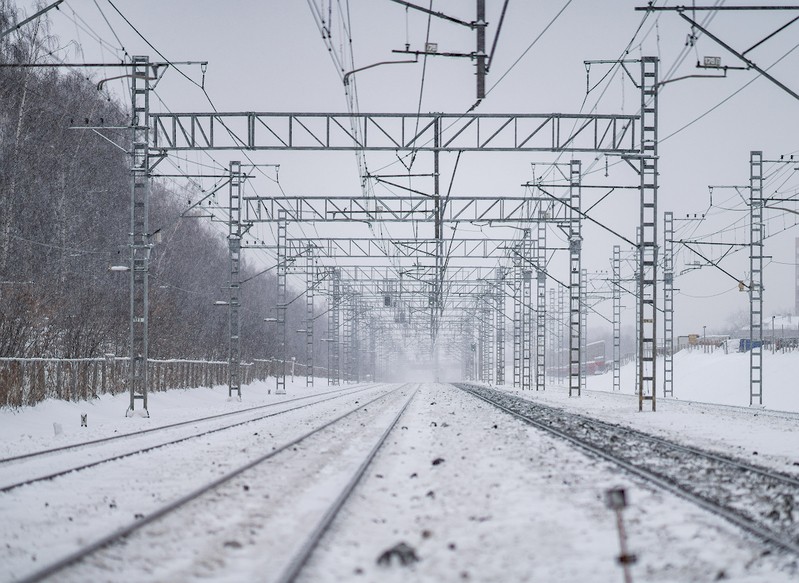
{"points": [[273, 367], [27, 381]]}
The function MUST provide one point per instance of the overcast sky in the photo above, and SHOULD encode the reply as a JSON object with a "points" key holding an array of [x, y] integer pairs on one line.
{"points": [[268, 55]]}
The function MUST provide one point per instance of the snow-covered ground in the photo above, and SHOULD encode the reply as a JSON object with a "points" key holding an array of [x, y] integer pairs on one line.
{"points": [[55, 423], [507, 503], [716, 377], [763, 436]]}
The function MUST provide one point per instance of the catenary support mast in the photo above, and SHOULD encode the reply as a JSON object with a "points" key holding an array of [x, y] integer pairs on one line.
{"points": [[541, 303], [282, 272], [575, 247], [668, 304], [648, 247], [234, 284], [616, 294], [310, 285], [500, 326], [139, 234], [756, 236]]}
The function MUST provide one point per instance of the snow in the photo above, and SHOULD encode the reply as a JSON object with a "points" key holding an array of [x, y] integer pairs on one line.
{"points": [[511, 504], [716, 377], [759, 435], [507, 503]]}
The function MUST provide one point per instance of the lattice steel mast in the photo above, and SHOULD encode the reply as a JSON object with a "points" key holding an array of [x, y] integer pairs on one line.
{"points": [[138, 380], [756, 236], [668, 304], [234, 284]]}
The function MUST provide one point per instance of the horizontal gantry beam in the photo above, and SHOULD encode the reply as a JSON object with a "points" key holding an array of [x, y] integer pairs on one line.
{"points": [[368, 209], [424, 274], [402, 288], [548, 132], [341, 247]]}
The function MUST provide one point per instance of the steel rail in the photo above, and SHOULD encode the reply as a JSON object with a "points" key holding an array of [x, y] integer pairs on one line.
{"points": [[648, 475], [42, 452], [119, 534], [300, 559], [88, 465]]}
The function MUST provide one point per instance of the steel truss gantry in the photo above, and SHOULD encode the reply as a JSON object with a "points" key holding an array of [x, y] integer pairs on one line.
{"points": [[442, 132], [357, 247], [381, 209], [633, 137]]}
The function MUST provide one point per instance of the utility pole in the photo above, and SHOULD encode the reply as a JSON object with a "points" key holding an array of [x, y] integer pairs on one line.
{"points": [[480, 55], [478, 25]]}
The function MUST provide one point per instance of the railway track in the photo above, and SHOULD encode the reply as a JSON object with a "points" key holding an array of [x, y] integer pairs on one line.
{"points": [[761, 501], [368, 424], [30, 468]]}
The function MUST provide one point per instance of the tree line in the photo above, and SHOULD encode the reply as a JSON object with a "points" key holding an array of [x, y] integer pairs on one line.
{"points": [[64, 219]]}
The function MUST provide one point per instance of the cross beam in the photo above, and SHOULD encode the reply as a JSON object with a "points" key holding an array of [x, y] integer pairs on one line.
{"points": [[337, 208], [443, 132]]}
